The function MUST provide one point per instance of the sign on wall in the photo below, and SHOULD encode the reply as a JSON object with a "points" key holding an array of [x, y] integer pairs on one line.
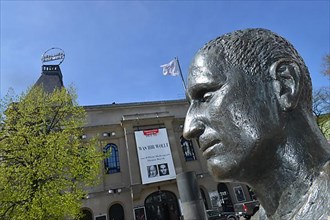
{"points": [[239, 194], [154, 154], [101, 217], [215, 199], [140, 213]]}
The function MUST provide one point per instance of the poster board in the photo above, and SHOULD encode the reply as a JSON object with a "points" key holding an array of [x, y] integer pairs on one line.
{"points": [[215, 199], [154, 155], [140, 213], [239, 194], [101, 217]]}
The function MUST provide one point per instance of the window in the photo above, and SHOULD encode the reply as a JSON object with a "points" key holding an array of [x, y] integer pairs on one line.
{"points": [[111, 164], [188, 149], [87, 215]]}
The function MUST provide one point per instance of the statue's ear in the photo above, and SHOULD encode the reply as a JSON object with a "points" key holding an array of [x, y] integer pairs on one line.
{"points": [[287, 83]]}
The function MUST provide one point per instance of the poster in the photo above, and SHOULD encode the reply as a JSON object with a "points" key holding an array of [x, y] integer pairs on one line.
{"points": [[140, 213], [239, 194], [101, 217], [155, 156], [215, 199]]}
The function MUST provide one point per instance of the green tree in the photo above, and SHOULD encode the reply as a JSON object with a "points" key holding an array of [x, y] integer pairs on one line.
{"points": [[321, 109], [321, 101], [326, 65], [44, 165]]}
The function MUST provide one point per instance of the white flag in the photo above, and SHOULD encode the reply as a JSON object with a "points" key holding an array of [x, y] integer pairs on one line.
{"points": [[171, 68]]}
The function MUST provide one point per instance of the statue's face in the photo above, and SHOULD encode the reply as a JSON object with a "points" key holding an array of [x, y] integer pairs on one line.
{"points": [[233, 116]]}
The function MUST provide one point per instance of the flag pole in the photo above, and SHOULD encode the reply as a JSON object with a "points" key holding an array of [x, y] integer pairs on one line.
{"points": [[183, 82]]}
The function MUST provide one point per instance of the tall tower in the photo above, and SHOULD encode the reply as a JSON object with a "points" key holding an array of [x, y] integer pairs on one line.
{"points": [[51, 78], [51, 75]]}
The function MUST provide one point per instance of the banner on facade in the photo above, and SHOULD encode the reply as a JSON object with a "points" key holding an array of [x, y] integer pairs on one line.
{"points": [[154, 154]]}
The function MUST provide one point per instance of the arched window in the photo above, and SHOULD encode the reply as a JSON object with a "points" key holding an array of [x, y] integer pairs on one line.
{"points": [[188, 149], [111, 164], [86, 215]]}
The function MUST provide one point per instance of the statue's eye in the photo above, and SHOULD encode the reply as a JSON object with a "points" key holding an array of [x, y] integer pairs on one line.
{"points": [[206, 97]]}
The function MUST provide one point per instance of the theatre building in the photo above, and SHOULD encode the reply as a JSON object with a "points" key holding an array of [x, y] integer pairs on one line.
{"points": [[145, 153]]}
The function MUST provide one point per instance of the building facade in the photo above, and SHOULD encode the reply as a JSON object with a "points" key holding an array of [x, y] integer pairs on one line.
{"points": [[145, 151]]}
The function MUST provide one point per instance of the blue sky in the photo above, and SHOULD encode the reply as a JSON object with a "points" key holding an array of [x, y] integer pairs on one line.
{"points": [[114, 49]]}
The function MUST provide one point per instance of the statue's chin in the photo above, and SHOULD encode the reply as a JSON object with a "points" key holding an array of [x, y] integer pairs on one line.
{"points": [[221, 171]]}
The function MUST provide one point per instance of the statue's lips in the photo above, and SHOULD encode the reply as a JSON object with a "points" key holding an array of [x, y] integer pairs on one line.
{"points": [[208, 148]]}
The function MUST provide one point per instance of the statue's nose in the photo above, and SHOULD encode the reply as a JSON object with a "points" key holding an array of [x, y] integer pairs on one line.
{"points": [[193, 127]]}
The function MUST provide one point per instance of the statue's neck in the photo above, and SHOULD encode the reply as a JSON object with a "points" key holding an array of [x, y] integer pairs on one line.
{"points": [[306, 200], [291, 171], [289, 182]]}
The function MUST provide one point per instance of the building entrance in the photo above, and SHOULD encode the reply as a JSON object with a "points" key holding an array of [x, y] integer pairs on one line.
{"points": [[162, 205]]}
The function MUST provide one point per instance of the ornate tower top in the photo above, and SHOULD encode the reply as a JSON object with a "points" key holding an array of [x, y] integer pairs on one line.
{"points": [[51, 75]]}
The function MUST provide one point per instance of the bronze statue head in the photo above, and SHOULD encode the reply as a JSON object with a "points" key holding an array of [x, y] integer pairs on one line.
{"points": [[250, 111], [240, 87]]}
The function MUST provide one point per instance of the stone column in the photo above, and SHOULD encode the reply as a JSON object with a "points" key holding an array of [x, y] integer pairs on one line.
{"points": [[191, 199]]}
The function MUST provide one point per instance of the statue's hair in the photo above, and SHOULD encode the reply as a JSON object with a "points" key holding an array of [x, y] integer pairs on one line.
{"points": [[255, 50]]}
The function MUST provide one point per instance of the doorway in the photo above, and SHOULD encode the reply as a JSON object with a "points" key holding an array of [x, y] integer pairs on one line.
{"points": [[116, 212], [162, 205], [225, 199]]}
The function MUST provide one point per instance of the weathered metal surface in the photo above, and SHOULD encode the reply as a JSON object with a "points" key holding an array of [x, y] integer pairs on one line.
{"points": [[250, 111]]}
